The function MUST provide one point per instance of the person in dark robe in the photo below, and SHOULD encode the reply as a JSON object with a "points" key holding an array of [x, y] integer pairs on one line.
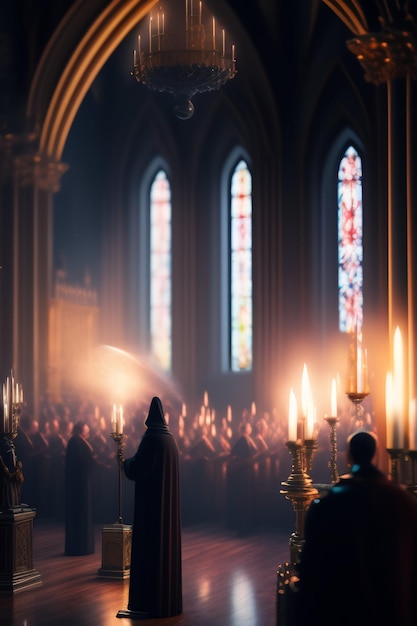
{"points": [[358, 564], [240, 483], [155, 588], [79, 467]]}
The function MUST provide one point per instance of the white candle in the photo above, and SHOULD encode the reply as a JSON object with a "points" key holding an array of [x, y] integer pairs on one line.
{"points": [[205, 398], [139, 47], [201, 9], [305, 391], [398, 386], [113, 419], [389, 410], [134, 59], [229, 413], [292, 417], [214, 33], [150, 34], [311, 418], [333, 399], [183, 410], [120, 422], [253, 409], [224, 42], [233, 53]]}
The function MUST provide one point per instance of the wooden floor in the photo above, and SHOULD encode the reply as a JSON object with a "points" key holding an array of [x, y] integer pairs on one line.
{"points": [[227, 581]]}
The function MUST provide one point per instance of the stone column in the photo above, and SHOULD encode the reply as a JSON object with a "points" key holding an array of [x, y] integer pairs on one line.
{"points": [[34, 181], [390, 57]]}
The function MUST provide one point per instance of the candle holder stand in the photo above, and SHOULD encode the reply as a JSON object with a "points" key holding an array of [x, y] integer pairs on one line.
{"points": [[117, 537], [16, 520], [357, 398], [332, 464], [299, 490], [395, 458]]}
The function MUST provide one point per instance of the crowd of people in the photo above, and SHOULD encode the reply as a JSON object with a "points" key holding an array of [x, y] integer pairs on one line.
{"points": [[230, 470]]}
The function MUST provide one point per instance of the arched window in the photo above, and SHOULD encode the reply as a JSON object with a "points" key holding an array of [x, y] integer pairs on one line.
{"points": [[241, 268], [350, 226], [160, 271]]}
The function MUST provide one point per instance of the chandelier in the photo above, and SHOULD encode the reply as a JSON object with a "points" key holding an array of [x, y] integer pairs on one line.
{"points": [[187, 62]]}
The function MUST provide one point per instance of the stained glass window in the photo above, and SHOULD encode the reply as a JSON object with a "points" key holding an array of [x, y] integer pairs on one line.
{"points": [[160, 270], [350, 241], [241, 268]]}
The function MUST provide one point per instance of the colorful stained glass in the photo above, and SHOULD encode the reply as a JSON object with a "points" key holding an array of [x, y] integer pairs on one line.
{"points": [[349, 196], [160, 271], [241, 268]]}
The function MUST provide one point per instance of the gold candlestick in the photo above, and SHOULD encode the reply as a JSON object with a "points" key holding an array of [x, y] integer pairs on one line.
{"points": [[357, 397], [332, 464], [395, 455], [299, 490]]}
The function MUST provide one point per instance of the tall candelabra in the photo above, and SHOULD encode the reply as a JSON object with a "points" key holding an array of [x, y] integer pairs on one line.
{"points": [[118, 439], [334, 473], [298, 488], [117, 538]]}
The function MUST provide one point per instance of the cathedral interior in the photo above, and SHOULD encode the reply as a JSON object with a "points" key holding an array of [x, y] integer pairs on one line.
{"points": [[82, 140], [219, 318]]}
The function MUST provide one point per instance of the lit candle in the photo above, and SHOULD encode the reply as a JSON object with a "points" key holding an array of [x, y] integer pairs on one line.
{"points": [[150, 34], [224, 42], [233, 54], [398, 381], [134, 59], [183, 410], [214, 33], [163, 23], [333, 399], [139, 47], [311, 418], [389, 410], [305, 391], [114, 419], [253, 409], [201, 9], [120, 421], [205, 398], [292, 417], [229, 413]]}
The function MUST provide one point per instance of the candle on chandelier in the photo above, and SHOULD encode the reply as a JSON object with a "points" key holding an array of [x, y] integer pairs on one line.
{"points": [[205, 402], [214, 33], [292, 417]]}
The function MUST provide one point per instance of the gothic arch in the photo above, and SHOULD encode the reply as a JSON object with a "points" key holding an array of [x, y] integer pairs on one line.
{"points": [[100, 31]]}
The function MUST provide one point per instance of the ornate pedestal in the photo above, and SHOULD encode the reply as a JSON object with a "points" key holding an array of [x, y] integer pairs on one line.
{"points": [[116, 551], [16, 562]]}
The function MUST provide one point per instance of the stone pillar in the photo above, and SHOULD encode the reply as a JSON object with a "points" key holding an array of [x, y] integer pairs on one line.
{"points": [[35, 180], [390, 57]]}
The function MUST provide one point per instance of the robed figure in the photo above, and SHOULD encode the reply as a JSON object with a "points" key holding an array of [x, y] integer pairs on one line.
{"points": [[79, 467], [156, 569]]}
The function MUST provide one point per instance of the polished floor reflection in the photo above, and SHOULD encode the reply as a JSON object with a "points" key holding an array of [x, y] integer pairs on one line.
{"points": [[227, 581]]}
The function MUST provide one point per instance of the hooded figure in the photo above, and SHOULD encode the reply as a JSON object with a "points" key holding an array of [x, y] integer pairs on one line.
{"points": [[156, 569]]}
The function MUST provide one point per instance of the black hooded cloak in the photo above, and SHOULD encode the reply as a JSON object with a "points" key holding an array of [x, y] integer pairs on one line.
{"points": [[156, 570]]}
